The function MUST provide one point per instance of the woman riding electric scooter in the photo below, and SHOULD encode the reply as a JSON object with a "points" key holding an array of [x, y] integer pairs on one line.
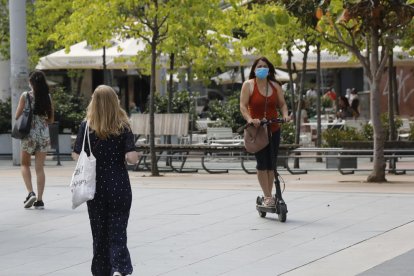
{"points": [[261, 97]]}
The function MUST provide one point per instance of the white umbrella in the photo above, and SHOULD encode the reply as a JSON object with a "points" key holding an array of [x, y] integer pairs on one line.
{"points": [[234, 76], [82, 56], [117, 56]]}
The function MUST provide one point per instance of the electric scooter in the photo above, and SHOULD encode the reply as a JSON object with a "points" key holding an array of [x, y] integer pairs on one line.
{"points": [[280, 207]]}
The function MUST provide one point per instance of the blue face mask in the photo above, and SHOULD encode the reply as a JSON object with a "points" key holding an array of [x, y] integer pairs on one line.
{"points": [[262, 73]]}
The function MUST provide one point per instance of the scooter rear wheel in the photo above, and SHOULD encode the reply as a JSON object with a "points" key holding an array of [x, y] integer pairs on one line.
{"points": [[262, 214]]}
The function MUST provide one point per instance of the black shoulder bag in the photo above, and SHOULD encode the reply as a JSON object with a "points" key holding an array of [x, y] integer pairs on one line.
{"points": [[23, 124]]}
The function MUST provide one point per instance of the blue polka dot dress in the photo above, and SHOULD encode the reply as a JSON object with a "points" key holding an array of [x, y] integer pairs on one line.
{"points": [[109, 210]]}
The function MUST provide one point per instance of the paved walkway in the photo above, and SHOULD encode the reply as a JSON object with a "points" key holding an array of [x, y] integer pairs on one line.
{"points": [[201, 224]]}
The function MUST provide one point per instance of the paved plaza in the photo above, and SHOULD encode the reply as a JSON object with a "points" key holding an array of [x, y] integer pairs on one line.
{"points": [[207, 224]]}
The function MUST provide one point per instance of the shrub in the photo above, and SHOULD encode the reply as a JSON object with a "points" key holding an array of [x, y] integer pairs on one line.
{"points": [[326, 102], [368, 130], [5, 116], [69, 109], [411, 136], [182, 102], [228, 113], [287, 134], [332, 137]]}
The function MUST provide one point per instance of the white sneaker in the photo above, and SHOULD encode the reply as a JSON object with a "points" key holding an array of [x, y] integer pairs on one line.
{"points": [[117, 274]]}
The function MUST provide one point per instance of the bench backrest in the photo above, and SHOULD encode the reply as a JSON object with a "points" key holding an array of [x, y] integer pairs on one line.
{"points": [[164, 124], [219, 133]]}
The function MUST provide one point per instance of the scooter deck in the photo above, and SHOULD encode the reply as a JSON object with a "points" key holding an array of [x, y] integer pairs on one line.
{"points": [[262, 208]]}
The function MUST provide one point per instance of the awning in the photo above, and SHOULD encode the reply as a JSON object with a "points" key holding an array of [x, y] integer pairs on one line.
{"points": [[332, 60], [82, 56]]}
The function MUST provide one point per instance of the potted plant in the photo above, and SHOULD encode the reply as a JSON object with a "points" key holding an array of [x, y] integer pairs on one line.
{"points": [[287, 137], [69, 113], [332, 138], [367, 133]]}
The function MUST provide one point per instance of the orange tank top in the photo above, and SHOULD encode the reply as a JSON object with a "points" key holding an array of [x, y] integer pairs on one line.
{"points": [[257, 105]]}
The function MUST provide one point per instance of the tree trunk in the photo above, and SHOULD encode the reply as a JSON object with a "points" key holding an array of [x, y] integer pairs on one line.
{"points": [[391, 111], [318, 99], [301, 89], [154, 167], [170, 90], [378, 172], [300, 100], [292, 91]]}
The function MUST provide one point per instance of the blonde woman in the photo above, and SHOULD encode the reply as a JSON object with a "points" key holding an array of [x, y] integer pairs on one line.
{"points": [[112, 143]]}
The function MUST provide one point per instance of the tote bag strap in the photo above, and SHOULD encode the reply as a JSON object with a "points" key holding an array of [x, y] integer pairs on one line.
{"points": [[89, 141]]}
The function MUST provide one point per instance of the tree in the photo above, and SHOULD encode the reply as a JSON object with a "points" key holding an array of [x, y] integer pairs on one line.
{"points": [[355, 23], [308, 13], [274, 25], [154, 22]]}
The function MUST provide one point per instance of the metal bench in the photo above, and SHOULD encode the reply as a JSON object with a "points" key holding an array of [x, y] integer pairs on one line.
{"points": [[340, 154], [222, 135], [177, 156]]}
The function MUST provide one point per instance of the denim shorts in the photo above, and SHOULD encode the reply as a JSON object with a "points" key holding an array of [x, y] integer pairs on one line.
{"points": [[264, 157]]}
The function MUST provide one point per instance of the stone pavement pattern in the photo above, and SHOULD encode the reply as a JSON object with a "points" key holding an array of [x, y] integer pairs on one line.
{"points": [[200, 224]]}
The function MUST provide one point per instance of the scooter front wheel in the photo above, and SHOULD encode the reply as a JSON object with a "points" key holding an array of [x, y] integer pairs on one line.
{"points": [[282, 212]]}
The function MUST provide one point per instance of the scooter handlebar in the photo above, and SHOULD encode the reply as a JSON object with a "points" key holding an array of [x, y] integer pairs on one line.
{"points": [[271, 121], [266, 122]]}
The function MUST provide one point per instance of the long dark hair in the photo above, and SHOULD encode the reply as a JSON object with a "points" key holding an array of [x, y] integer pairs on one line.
{"points": [[272, 71], [42, 102], [345, 101]]}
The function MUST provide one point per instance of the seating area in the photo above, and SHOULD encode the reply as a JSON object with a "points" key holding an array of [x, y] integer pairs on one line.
{"points": [[223, 135], [218, 143], [404, 130]]}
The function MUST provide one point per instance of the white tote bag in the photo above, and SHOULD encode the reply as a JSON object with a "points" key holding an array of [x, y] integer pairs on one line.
{"points": [[83, 184]]}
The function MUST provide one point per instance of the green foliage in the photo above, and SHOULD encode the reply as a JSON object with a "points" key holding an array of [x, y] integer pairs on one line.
{"points": [[182, 102], [4, 30], [288, 131], [265, 27], [326, 102], [228, 113], [368, 130], [331, 137], [5, 116], [303, 10], [44, 18], [411, 136], [69, 109]]}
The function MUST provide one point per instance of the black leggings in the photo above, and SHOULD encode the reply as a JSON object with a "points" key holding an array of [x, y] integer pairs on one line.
{"points": [[264, 157]]}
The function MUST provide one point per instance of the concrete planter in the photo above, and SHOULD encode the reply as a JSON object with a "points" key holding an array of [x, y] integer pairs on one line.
{"points": [[370, 144], [65, 143], [344, 163], [5, 143]]}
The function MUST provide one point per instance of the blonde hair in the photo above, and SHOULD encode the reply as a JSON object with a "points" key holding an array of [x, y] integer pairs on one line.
{"points": [[104, 114]]}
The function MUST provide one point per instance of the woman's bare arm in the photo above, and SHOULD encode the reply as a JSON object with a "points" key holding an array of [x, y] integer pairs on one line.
{"points": [[20, 106], [244, 103]]}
